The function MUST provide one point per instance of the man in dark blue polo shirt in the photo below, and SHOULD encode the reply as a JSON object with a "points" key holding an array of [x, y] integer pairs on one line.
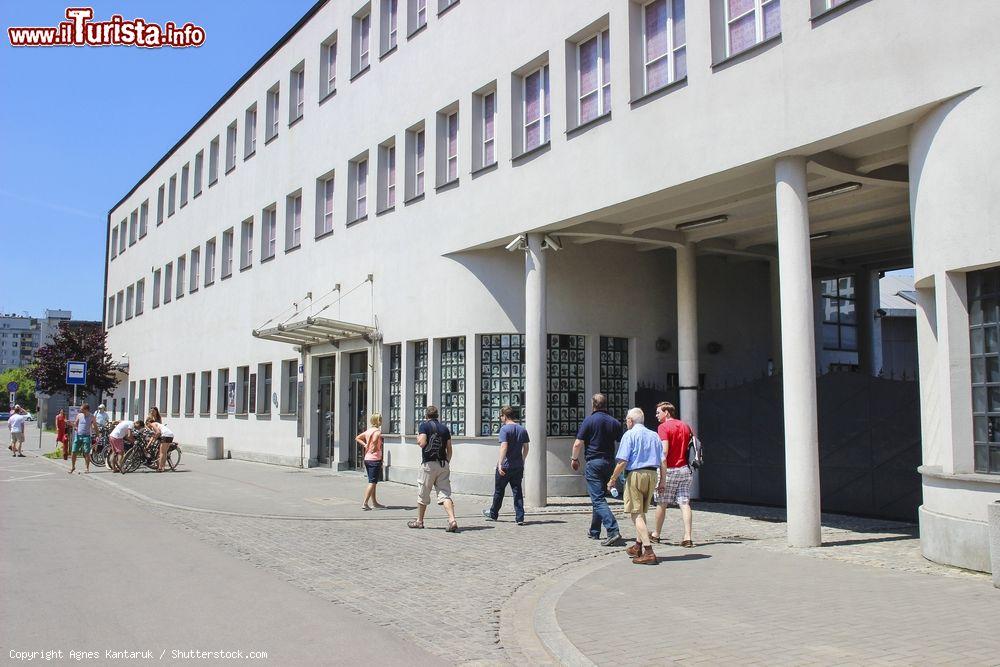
{"points": [[510, 466], [599, 433]]}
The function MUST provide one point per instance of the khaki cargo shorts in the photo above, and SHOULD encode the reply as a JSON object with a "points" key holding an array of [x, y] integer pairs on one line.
{"points": [[639, 487], [433, 474]]}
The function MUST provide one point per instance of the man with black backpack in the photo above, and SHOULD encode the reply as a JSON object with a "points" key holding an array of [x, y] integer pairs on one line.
{"points": [[434, 439], [676, 437]]}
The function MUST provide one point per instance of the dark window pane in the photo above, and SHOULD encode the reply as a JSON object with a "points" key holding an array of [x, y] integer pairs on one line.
{"points": [[992, 335], [978, 371], [993, 369], [994, 459], [847, 287], [975, 284], [848, 313], [849, 338], [830, 339], [976, 341], [976, 313], [828, 287], [994, 399], [982, 458], [991, 311], [979, 429], [979, 400], [994, 429]]}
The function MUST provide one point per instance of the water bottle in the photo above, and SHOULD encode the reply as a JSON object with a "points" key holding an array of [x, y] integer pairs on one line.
{"points": [[614, 491]]}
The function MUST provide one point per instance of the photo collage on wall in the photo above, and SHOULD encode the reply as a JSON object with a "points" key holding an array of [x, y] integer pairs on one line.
{"points": [[501, 371], [614, 375], [419, 382], [394, 423], [566, 371], [453, 384]]}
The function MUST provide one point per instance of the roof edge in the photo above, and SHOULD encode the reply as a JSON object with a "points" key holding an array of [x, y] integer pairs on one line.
{"points": [[229, 93]]}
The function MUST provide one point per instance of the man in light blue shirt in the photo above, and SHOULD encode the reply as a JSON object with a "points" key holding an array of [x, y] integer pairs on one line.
{"points": [[641, 454]]}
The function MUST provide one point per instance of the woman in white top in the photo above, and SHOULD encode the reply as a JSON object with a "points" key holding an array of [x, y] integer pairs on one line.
{"points": [[164, 436]]}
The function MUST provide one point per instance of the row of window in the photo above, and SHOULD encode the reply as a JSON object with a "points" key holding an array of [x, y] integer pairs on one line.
{"points": [[251, 391], [662, 51], [984, 345], [135, 226]]}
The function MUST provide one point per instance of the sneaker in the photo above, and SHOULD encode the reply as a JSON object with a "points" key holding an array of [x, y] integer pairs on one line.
{"points": [[488, 516], [613, 540], [520, 522], [647, 557]]}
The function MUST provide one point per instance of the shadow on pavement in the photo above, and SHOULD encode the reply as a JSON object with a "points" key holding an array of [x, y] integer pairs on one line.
{"points": [[845, 543], [664, 559]]}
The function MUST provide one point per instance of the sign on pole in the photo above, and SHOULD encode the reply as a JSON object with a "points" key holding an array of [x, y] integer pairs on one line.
{"points": [[13, 400], [12, 387], [76, 372]]}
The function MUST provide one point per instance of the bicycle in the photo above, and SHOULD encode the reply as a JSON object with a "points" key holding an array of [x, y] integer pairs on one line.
{"points": [[146, 451], [102, 445]]}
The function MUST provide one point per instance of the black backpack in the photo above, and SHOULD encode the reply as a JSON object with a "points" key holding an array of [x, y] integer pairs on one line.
{"points": [[696, 456], [435, 449]]}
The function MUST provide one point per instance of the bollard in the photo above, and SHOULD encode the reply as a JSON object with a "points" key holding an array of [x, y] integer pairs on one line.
{"points": [[994, 521], [213, 449]]}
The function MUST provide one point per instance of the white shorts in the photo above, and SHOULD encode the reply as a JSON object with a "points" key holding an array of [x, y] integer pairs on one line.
{"points": [[433, 474]]}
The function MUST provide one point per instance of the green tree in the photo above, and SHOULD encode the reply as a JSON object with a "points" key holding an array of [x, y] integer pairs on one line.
{"points": [[25, 387]]}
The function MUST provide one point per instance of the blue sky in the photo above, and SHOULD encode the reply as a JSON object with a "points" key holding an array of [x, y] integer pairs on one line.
{"points": [[80, 126]]}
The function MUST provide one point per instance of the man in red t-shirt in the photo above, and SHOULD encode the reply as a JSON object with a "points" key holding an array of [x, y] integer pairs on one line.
{"points": [[675, 436]]}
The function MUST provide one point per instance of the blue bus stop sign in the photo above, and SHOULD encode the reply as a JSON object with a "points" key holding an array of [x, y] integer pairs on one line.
{"points": [[76, 372]]}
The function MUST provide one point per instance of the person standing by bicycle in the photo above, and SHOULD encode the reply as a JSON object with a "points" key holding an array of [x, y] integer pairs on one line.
{"points": [[86, 426], [163, 436], [101, 416], [154, 414], [122, 431]]}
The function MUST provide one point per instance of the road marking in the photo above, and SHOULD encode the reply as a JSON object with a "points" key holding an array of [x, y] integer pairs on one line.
{"points": [[21, 479]]}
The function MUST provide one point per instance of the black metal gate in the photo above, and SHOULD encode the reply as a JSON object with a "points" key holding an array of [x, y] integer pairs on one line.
{"points": [[869, 444]]}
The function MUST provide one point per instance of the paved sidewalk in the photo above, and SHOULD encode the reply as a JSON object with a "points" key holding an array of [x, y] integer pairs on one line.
{"points": [[543, 593]]}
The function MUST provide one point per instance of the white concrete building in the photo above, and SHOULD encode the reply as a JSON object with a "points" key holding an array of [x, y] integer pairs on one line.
{"points": [[475, 203]]}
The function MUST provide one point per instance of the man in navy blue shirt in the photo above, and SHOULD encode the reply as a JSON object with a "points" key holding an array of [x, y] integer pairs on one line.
{"points": [[598, 433], [510, 466]]}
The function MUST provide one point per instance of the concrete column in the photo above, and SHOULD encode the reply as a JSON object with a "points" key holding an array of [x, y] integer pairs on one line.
{"points": [[875, 348], [864, 311], [775, 315], [535, 396], [687, 340], [955, 371], [798, 354]]}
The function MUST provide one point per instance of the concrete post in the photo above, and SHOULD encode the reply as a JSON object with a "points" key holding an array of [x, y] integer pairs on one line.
{"points": [[864, 311], [687, 340], [875, 348], [775, 284], [535, 353], [798, 353]]}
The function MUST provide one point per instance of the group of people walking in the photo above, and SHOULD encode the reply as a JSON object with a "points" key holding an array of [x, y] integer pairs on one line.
{"points": [[655, 464]]}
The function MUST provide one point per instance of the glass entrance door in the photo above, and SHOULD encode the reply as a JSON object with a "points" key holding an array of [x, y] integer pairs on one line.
{"points": [[326, 408], [357, 404]]}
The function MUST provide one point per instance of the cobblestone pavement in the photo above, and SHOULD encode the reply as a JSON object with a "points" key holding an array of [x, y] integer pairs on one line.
{"points": [[498, 592]]}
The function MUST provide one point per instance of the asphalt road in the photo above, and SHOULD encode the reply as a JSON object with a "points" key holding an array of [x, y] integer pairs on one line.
{"points": [[83, 569]]}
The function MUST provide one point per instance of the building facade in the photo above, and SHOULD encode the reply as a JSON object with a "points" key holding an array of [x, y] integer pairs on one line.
{"points": [[475, 204]]}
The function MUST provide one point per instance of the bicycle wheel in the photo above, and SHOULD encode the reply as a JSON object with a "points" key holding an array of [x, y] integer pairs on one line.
{"points": [[133, 459], [174, 457], [98, 454]]}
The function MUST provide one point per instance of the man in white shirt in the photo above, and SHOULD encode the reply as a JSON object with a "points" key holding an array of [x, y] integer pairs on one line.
{"points": [[16, 426], [101, 416]]}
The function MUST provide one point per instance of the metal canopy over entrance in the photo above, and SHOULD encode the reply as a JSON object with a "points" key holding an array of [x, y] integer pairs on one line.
{"points": [[316, 331]]}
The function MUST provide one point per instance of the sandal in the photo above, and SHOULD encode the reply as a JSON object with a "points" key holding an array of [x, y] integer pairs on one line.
{"points": [[687, 543], [452, 527], [414, 524], [366, 508], [654, 538]]}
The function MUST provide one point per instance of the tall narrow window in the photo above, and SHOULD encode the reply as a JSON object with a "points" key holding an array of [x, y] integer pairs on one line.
{"points": [[268, 232], [181, 269], [213, 162], [324, 219], [120, 307], [206, 393], [389, 24], [418, 15], [199, 168], [501, 379], [452, 377], [566, 407], [111, 311], [362, 28], [614, 382], [144, 218], [293, 220], [168, 282], [175, 397], [750, 22], [129, 301], [264, 389], [360, 189], [451, 147], [156, 288], [222, 398], [114, 241], [185, 177], [231, 147], [194, 279], [419, 162], [664, 43], [984, 336], [227, 253], [133, 228], [160, 197], [395, 389], [289, 389], [388, 176], [250, 132], [840, 321], [536, 108], [251, 392], [489, 129], [246, 244], [594, 56], [140, 296], [171, 195], [328, 66], [189, 395], [297, 93], [273, 105], [209, 262], [242, 389], [420, 382]]}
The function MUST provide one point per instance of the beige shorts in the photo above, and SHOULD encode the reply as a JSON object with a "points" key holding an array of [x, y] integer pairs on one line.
{"points": [[16, 438], [433, 474], [639, 487]]}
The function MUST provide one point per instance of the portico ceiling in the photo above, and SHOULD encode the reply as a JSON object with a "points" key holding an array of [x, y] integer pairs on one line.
{"points": [[866, 225]]}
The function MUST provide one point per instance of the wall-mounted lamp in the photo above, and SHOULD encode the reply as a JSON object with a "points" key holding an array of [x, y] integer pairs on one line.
{"points": [[820, 235], [834, 191], [704, 222]]}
